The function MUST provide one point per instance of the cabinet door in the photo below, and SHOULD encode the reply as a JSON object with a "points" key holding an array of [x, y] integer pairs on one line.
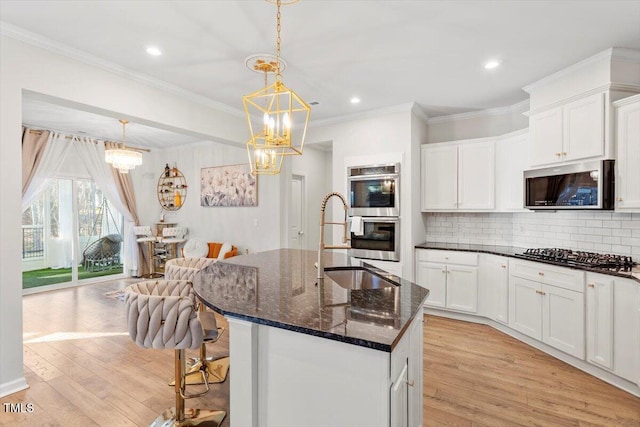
{"points": [[415, 371], [525, 306], [628, 156], [434, 278], [439, 177], [399, 399], [546, 137], [600, 320], [583, 135], [476, 175], [497, 278], [563, 320], [626, 330], [512, 159], [462, 288]]}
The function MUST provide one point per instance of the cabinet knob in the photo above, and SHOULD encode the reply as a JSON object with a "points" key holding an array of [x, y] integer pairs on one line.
{"points": [[410, 383], [591, 285], [540, 292], [619, 199], [446, 257], [558, 154], [540, 273], [564, 153], [444, 271], [503, 266]]}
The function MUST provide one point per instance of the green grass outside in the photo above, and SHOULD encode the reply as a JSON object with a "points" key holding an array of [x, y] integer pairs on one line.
{"points": [[49, 276]]}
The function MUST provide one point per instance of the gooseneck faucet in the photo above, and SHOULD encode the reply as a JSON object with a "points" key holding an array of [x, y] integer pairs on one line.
{"points": [[322, 246]]}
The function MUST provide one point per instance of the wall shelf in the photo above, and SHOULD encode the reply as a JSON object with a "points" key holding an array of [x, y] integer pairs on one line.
{"points": [[172, 190]]}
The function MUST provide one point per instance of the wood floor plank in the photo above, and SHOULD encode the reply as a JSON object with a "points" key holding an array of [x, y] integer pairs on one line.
{"points": [[83, 370]]}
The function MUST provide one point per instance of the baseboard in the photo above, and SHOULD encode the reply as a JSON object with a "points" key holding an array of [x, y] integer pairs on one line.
{"points": [[590, 369], [13, 386]]}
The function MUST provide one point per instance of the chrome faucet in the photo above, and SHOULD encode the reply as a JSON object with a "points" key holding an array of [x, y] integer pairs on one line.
{"points": [[322, 246]]}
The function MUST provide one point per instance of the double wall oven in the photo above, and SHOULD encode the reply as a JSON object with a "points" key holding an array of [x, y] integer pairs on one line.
{"points": [[374, 199]]}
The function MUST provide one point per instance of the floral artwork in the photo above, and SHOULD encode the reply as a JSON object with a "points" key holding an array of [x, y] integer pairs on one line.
{"points": [[228, 186]]}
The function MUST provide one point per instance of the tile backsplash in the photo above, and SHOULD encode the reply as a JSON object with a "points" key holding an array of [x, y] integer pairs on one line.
{"points": [[604, 232]]}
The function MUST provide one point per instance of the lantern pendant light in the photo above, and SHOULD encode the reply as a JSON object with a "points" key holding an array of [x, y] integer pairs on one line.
{"points": [[277, 118]]}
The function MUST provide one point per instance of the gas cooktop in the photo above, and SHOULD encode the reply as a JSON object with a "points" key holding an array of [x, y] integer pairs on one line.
{"points": [[580, 259]]}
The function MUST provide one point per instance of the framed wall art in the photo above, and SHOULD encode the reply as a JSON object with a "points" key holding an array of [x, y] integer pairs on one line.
{"points": [[231, 185]]}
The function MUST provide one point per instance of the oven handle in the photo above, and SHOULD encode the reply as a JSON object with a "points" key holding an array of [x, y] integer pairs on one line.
{"points": [[368, 177], [377, 218]]}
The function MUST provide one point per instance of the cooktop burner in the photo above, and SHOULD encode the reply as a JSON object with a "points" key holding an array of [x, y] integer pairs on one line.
{"points": [[581, 259]]}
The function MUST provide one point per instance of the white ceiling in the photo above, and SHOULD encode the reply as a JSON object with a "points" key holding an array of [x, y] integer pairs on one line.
{"points": [[385, 52]]}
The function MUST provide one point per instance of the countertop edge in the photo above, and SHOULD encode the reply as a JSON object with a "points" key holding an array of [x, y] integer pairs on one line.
{"points": [[451, 247]]}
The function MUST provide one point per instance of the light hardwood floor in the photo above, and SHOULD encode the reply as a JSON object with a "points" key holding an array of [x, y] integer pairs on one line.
{"points": [[83, 370]]}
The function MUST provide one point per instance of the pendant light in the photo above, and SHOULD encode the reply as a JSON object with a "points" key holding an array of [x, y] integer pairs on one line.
{"points": [[277, 118], [122, 158]]}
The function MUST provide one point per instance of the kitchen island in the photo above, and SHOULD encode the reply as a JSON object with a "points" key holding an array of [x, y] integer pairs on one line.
{"points": [[309, 354]]}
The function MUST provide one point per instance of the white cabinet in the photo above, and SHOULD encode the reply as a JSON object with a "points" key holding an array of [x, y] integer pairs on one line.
{"points": [[626, 330], [547, 303], [628, 153], [458, 176], [405, 393], [439, 177], [571, 132], [493, 287], [512, 159], [451, 277], [600, 290]]}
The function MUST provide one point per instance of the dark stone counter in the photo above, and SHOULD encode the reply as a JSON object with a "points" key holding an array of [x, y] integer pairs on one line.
{"points": [[515, 252], [279, 288]]}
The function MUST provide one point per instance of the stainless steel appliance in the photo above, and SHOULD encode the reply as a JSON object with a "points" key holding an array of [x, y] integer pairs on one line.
{"points": [[380, 239], [573, 258], [374, 190], [588, 185]]}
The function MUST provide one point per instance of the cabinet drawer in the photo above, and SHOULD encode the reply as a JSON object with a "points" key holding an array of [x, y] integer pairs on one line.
{"points": [[562, 277], [447, 257]]}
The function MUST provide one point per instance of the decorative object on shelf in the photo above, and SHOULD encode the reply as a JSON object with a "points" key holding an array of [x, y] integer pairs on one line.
{"points": [[277, 116], [232, 185], [172, 189], [122, 158]]}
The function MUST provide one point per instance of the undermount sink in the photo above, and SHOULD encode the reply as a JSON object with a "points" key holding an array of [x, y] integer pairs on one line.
{"points": [[357, 278]]}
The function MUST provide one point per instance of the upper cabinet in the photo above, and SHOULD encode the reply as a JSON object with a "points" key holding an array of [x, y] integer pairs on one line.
{"points": [[627, 134], [570, 132], [512, 159], [458, 176]]}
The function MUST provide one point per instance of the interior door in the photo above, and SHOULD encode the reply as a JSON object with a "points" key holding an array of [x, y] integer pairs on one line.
{"points": [[296, 213]]}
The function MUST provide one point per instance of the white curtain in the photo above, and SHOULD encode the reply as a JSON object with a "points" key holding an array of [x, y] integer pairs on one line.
{"points": [[92, 155], [53, 156]]}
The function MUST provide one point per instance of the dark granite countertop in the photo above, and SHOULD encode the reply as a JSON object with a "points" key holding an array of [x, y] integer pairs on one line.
{"points": [[515, 252], [278, 288]]}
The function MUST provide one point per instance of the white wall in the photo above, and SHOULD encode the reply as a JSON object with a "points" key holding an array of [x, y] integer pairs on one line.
{"points": [[480, 124], [79, 85], [386, 137]]}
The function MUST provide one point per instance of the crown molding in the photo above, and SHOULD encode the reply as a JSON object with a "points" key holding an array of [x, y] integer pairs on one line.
{"points": [[39, 41], [623, 54], [419, 112], [408, 107], [628, 100], [520, 107]]}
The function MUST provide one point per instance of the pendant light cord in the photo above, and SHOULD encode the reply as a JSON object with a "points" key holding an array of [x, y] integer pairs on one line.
{"points": [[278, 27]]}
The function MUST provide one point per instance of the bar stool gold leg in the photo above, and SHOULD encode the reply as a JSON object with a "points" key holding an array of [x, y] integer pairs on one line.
{"points": [[152, 269], [178, 415]]}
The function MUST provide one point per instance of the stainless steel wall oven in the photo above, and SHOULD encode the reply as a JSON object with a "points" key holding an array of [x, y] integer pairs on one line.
{"points": [[374, 190], [380, 239]]}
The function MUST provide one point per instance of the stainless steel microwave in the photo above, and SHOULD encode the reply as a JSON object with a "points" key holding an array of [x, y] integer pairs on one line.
{"points": [[588, 185], [374, 190]]}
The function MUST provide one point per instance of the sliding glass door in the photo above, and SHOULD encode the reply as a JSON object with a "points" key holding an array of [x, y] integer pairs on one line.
{"points": [[71, 234]]}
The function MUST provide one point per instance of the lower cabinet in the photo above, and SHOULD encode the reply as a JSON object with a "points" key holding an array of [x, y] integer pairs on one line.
{"points": [[626, 330], [493, 286], [548, 310], [452, 279], [600, 320]]}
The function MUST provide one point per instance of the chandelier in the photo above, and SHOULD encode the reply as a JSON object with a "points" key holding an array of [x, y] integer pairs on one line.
{"points": [[277, 117], [122, 158]]}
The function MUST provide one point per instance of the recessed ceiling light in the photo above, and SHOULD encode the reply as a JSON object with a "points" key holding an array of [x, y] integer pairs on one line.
{"points": [[355, 100], [490, 65], [154, 51]]}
